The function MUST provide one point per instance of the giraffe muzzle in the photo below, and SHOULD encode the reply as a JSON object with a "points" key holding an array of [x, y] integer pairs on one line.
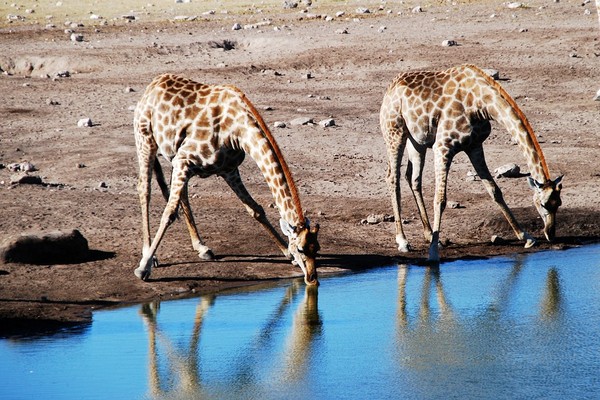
{"points": [[550, 228]]}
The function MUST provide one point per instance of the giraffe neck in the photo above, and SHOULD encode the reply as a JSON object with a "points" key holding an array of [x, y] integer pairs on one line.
{"points": [[505, 111], [262, 147]]}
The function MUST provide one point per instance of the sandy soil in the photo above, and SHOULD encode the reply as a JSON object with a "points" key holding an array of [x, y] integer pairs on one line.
{"points": [[546, 53]]}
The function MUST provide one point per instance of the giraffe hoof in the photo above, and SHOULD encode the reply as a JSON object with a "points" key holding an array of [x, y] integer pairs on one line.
{"points": [[142, 274], [404, 248], [529, 243], [207, 256]]}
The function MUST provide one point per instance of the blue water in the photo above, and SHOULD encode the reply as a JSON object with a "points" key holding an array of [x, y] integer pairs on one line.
{"points": [[507, 328]]}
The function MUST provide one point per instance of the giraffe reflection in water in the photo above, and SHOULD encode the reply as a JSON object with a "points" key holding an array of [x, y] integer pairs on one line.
{"points": [[176, 372], [445, 338]]}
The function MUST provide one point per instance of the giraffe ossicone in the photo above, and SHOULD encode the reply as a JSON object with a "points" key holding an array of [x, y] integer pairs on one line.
{"points": [[450, 111], [206, 130]]}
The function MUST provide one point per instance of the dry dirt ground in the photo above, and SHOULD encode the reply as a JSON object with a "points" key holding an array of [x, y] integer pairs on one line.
{"points": [[547, 54]]}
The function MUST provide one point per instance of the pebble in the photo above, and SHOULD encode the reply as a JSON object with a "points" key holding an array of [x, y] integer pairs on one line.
{"points": [[508, 171], [493, 73], [597, 97], [84, 122], [363, 10], [301, 121], [236, 27], [417, 9], [449, 43], [279, 124], [342, 31], [76, 37], [327, 122]]}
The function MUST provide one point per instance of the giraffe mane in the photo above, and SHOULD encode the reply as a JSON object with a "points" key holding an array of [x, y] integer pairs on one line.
{"points": [[286, 170], [517, 111]]}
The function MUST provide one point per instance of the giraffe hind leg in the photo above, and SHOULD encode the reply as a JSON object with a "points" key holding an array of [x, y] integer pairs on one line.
{"points": [[395, 147], [414, 177], [204, 252]]}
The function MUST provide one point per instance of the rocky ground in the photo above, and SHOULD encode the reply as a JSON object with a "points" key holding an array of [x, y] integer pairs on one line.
{"points": [[315, 65]]}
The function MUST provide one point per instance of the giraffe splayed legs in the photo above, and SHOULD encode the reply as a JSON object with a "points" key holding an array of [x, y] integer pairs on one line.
{"points": [[207, 130], [449, 111]]}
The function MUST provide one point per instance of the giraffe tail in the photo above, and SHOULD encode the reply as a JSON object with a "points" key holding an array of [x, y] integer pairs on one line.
{"points": [[160, 177]]}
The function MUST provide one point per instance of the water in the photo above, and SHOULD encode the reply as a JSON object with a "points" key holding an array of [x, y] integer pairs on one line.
{"points": [[514, 327]]}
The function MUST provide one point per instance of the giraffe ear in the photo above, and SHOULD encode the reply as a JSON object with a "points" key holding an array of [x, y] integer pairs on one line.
{"points": [[287, 229]]}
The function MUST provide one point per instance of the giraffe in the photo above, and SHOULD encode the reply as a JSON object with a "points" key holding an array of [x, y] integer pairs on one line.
{"points": [[450, 111], [206, 130]]}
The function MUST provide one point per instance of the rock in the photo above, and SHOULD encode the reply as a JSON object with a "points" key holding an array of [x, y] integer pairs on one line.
{"points": [[301, 121], [514, 5], [342, 31], [374, 219], [46, 248], [84, 122], [339, 14], [508, 171], [128, 89], [236, 27], [497, 240], [24, 166], [381, 29], [62, 74], [26, 179], [597, 97], [493, 73], [449, 43], [417, 9], [363, 10], [76, 37], [288, 4], [279, 124], [454, 205], [327, 122]]}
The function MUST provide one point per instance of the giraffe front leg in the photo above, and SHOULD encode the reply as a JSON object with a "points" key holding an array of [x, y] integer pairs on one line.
{"points": [[178, 180], [234, 181], [477, 157], [443, 158]]}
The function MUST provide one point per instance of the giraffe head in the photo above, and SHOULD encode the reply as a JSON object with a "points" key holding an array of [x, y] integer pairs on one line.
{"points": [[303, 247], [546, 198]]}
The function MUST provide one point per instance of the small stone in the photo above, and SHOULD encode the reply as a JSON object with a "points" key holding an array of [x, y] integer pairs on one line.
{"points": [[342, 31], [493, 73], [597, 97], [63, 74], [25, 179], [236, 27], [128, 89], [417, 9], [381, 29], [339, 14], [449, 43], [279, 124], [508, 171], [495, 239], [76, 37], [327, 122], [289, 4], [363, 10], [102, 185], [301, 121], [454, 205], [52, 102], [84, 122], [514, 5]]}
